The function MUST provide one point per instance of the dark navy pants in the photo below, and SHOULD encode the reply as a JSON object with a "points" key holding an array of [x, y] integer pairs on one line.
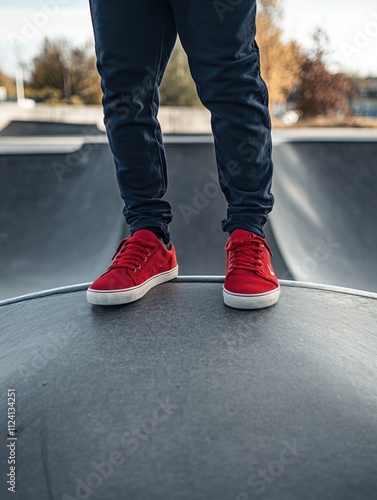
{"points": [[134, 40]]}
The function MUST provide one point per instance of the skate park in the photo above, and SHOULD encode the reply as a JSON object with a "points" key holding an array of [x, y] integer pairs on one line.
{"points": [[322, 229], [289, 391]]}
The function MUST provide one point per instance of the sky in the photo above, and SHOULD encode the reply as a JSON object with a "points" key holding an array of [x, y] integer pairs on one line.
{"points": [[351, 26]]}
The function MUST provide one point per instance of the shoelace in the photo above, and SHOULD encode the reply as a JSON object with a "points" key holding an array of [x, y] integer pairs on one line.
{"points": [[131, 253], [247, 254]]}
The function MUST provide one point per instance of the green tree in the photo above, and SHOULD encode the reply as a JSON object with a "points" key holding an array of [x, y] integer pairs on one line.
{"points": [[48, 67], [84, 78], [178, 88], [64, 73]]}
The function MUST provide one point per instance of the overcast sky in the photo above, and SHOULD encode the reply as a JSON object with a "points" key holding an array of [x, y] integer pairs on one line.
{"points": [[351, 25]]}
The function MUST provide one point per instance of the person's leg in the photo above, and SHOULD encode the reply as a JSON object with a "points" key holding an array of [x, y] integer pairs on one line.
{"points": [[133, 43], [224, 61], [134, 40]]}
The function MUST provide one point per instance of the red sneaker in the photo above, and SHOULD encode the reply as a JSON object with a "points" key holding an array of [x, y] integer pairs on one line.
{"points": [[250, 281], [140, 262]]}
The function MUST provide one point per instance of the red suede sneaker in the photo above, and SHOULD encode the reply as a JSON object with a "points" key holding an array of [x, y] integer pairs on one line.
{"points": [[140, 262], [250, 281]]}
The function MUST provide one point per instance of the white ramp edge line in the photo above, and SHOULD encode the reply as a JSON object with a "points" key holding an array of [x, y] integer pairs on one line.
{"points": [[193, 279]]}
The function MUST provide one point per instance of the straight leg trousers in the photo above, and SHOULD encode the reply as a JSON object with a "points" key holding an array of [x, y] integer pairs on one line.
{"points": [[134, 40]]}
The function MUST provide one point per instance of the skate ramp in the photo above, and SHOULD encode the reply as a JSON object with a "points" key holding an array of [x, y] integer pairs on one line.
{"points": [[61, 213], [59, 218], [58, 231], [177, 396], [324, 219], [21, 128]]}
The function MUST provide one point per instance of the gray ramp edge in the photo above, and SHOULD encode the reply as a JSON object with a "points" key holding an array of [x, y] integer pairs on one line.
{"points": [[23, 128], [177, 396]]}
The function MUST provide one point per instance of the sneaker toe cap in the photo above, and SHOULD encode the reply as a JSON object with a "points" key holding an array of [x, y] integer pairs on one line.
{"points": [[250, 286], [112, 281]]}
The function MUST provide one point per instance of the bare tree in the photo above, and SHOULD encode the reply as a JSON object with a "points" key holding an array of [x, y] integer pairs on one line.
{"points": [[322, 93]]}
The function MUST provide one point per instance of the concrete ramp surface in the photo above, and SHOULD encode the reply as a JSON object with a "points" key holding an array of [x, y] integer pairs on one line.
{"points": [[59, 218], [324, 219], [178, 397], [61, 213]]}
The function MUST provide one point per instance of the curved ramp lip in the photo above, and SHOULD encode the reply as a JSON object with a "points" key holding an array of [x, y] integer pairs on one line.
{"points": [[72, 144], [42, 145], [286, 136], [15, 145], [191, 279]]}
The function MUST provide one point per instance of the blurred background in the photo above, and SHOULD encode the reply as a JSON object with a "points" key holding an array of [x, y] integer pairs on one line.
{"points": [[60, 210]]}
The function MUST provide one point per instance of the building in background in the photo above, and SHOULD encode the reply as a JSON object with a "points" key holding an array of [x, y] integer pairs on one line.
{"points": [[365, 104]]}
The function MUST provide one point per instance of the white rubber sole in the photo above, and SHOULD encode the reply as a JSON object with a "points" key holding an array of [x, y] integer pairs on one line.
{"points": [[257, 301], [118, 297]]}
